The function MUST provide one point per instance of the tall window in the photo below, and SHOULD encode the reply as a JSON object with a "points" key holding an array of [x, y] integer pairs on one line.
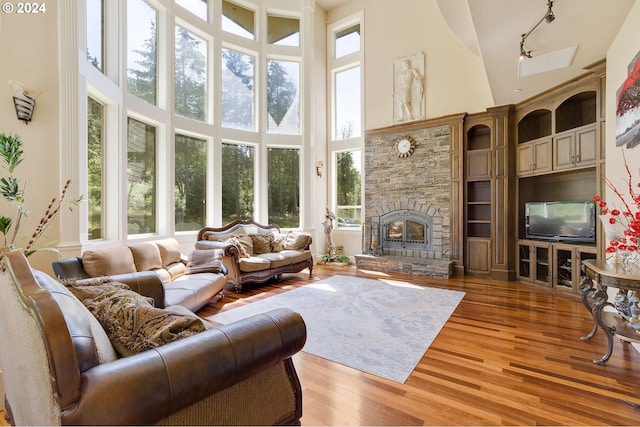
{"points": [[142, 50], [345, 60], [348, 107], [283, 97], [238, 94], [95, 33], [190, 183], [141, 177], [348, 188], [284, 187], [95, 168], [205, 98], [237, 182], [190, 75]]}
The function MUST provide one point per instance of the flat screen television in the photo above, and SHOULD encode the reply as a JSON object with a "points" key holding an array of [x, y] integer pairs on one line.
{"points": [[561, 221]]}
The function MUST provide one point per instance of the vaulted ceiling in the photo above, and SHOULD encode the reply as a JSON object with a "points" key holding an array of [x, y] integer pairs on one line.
{"points": [[492, 29]]}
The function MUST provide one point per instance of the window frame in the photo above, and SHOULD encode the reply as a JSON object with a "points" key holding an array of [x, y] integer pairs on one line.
{"points": [[335, 65]]}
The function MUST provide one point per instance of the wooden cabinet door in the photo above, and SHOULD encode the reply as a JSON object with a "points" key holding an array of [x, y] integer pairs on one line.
{"points": [[563, 151], [586, 146], [542, 263], [478, 255], [567, 262], [542, 153], [526, 261], [564, 267], [525, 159], [479, 164]]}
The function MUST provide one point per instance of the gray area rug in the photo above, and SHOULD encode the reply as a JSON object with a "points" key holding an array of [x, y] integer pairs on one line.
{"points": [[380, 327]]}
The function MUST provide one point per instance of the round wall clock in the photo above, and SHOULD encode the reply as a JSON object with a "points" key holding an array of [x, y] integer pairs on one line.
{"points": [[405, 145]]}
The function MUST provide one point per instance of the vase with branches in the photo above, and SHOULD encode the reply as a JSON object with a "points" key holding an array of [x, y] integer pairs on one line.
{"points": [[625, 218], [13, 191]]}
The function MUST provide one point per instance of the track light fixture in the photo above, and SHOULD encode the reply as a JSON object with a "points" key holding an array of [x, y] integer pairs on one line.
{"points": [[548, 18], [523, 53]]}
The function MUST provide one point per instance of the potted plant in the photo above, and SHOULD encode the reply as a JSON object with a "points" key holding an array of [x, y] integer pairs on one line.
{"points": [[13, 191]]}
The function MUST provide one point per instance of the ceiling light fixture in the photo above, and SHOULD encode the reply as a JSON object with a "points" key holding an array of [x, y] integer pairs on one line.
{"points": [[548, 17]]}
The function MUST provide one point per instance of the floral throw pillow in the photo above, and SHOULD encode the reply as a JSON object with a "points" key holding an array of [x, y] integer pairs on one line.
{"points": [[296, 240], [261, 243], [277, 244], [244, 244]]}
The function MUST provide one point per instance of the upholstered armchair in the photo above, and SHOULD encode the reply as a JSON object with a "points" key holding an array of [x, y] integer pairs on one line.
{"points": [[59, 367]]}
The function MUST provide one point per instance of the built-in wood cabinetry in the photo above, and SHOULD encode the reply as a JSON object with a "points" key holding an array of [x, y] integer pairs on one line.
{"points": [[560, 158], [548, 148], [489, 181]]}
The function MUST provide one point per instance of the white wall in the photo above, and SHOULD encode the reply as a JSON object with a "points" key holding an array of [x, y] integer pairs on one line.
{"points": [[455, 77], [29, 52]]}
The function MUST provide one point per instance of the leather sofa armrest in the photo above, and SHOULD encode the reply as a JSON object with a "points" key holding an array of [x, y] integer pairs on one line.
{"points": [[69, 268], [169, 378]]}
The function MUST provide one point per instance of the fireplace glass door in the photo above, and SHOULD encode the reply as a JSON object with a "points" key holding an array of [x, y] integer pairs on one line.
{"points": [[415, 233], [405, 233]]}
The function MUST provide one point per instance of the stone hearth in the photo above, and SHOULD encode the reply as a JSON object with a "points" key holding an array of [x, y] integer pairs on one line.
{"points": [[406, 265]]}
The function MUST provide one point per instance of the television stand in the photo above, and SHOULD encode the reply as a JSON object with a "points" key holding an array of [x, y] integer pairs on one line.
{"points": [[553, 264]]}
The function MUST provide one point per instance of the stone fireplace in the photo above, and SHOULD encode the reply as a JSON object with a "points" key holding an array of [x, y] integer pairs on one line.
{"points": [[407, 204]]}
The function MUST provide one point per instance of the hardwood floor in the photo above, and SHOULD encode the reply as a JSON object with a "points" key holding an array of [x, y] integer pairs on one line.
{"points": [[510, 354]]}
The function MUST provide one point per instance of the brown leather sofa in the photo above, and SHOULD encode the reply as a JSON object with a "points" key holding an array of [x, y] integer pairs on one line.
{"points": [[155, 269], [56, 368], [251, 259]]}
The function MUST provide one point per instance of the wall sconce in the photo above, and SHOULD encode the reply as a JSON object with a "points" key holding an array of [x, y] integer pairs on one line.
{"points": [[24, 99], [319, 166], [548, 17]]}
